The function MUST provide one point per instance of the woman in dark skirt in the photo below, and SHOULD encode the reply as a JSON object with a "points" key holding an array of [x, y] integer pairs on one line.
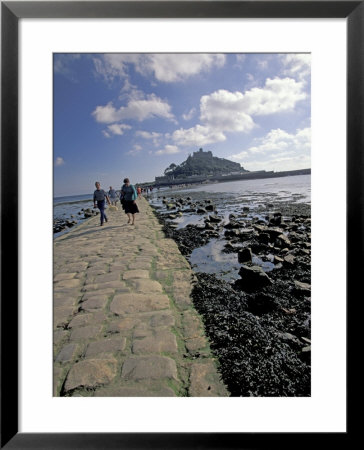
{"points": [[129, 194]]}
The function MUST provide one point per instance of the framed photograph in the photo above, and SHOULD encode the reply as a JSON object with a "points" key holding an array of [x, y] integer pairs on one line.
{"points": [[257, 58]]}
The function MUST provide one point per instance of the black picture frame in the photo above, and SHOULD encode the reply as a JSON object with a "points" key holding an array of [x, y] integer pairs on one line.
{"points": [[11, 12]]}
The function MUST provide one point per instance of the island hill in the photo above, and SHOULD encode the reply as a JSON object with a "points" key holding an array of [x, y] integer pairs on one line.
{"points": [[203, 167]]}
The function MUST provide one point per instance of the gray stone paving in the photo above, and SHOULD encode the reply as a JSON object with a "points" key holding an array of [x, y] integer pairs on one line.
{"points": [[124, 322]]}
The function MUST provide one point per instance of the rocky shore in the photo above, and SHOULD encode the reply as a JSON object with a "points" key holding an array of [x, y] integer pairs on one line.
{"points": [[259, 323], [61, 224]]}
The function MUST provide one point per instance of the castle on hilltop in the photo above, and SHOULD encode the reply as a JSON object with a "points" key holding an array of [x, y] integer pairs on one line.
{"points": [[198, 167], [202, 154]]}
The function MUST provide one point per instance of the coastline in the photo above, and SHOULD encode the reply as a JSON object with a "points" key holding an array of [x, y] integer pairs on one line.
{"points": [[259, 320]]}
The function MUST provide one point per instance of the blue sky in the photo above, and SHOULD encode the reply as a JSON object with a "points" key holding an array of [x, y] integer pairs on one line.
{"points": [[132, 115]]}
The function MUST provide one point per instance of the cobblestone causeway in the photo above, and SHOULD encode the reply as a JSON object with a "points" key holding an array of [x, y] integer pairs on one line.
{"points": [[124, 322]]}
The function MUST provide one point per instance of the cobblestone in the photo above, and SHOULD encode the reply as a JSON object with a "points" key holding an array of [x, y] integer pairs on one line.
{"points": [[124, 322]]}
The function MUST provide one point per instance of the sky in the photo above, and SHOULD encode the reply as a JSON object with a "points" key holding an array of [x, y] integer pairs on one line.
{"points": [[132, 115]]}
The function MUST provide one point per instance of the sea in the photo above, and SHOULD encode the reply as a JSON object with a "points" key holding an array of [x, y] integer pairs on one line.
{"points": [[237, 197], [229, 197]]}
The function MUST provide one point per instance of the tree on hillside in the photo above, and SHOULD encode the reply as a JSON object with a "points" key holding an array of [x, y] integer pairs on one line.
{"points": [[170, 169]]}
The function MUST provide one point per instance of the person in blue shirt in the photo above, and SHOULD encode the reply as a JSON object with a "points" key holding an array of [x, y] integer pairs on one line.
{"points": [[112, 196], [129, 195], [99, 201]]}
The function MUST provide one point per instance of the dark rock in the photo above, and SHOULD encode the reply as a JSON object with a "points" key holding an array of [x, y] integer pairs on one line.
{"points": [[283, 241], [209, 226], [258, 247], [201, 211], [289, 260], [263, 238], [274, 232], [290, 339], [229, 248], [302, 288], [245, 255], [232, 224], [276, 219], [278, 260], [231, 233], [246, 234], [253, 278], [214, 218]]}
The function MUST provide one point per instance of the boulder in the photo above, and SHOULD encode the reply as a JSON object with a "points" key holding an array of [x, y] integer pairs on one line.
{"points": [[289, 260], [201, 211], [276, 219], [245, 255], [278, 260], [274, 232], [263, 238], [232, 224], [260, 228], [229, 248], [231, 233], [209, 226], [253, 278], [246, 234], [283, 241], [214, 218], [302, 288]]}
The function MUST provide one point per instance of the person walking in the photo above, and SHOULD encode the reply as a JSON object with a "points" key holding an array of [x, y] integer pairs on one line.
{"points": [[112, 196], [99, 201], [139, 192], [129, 195]]}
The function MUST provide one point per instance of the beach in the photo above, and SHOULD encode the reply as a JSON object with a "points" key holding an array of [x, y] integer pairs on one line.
{"points": [[124, 321]]}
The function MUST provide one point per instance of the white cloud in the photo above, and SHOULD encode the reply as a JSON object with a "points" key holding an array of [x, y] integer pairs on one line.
{"points": [[278, 95], [224, 111], [111, 66], [118, 128], [59, 161], [164, 67], [297, 65], [63, 65], [168, 150], [178, 67], [240, 58], [150, 107], [135, 151], [278, 150], [189, 115], [155, 137], [196, 136]]}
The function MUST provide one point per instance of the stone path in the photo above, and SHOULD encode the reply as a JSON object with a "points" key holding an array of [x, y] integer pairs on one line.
{"points": [[124, 322]]}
